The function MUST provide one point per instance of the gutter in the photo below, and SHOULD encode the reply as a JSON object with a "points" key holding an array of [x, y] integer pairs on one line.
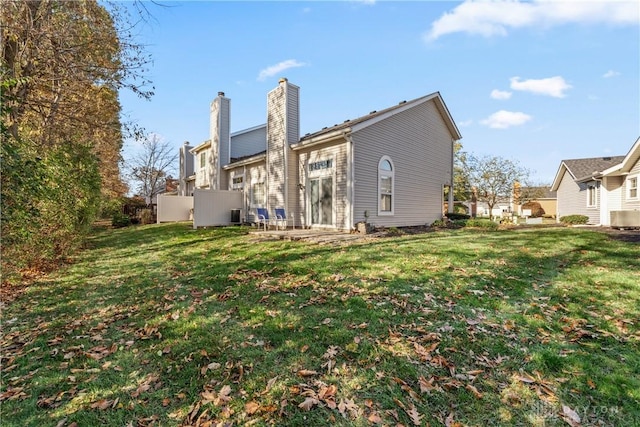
{"points": [[245, 162], [337, 134]]}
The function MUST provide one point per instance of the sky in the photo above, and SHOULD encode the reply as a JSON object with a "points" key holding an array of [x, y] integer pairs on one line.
{"points": [[535, 82]]}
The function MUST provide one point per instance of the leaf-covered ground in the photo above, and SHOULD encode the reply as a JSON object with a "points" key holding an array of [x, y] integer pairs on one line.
{"points": [[169, 326]]}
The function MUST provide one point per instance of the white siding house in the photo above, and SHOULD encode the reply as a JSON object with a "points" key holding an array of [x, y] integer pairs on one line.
{"points": [[388, 167], [601, 188]]}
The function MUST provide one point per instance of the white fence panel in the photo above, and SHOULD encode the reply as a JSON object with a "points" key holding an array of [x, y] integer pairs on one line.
{"points": [[213, 207], [174, 208]]}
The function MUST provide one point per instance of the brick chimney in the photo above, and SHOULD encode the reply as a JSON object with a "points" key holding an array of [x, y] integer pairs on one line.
{"points": [[283, 129], [219, 134]]}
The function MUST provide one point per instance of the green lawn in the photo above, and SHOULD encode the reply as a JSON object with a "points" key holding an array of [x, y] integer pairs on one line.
{"points": [[165, 325]]}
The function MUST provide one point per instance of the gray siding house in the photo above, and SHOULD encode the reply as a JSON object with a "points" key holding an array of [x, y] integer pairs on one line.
{"points": [[602, 188], [388, 168]]}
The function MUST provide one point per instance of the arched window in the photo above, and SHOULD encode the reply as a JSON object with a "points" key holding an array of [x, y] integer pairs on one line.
{"points": [[385, 186]]}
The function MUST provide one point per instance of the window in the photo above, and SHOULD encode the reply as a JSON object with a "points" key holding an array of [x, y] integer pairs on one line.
{"points": [[257, 194], [591, 196], [385, 186], [203, 160], [632, 187], [237, 182], [320, 165]]}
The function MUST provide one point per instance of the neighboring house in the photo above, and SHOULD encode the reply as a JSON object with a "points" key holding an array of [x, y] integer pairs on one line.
{"points": [[547, 198], [596, 187], [389, 167]]}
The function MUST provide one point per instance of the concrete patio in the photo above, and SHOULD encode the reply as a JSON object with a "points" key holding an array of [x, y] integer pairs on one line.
{"points": [[313, 235]]}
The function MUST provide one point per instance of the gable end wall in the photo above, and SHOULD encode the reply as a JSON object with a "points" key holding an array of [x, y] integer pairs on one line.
{"points": [[572, 199], [420, 147]]}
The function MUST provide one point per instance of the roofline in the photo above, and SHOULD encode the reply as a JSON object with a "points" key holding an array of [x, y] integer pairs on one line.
{"points": [[240, 132], [202, 146], [249, 160], [627, 162], [410, 104], [325, 137], [556, 183]]}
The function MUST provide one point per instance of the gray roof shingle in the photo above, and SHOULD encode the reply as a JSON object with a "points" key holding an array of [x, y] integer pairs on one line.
{"points": [[352, 122], [585, 168]]}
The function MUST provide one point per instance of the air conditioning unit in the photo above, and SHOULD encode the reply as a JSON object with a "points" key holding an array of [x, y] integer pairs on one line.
{"points": [[625, 219]]}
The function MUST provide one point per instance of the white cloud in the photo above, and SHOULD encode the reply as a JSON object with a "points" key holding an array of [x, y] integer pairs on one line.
{"points": [[610, 73], [465, 123], [278, 68], [505, 119], [551, 86], [500, 94], [490, 18]]}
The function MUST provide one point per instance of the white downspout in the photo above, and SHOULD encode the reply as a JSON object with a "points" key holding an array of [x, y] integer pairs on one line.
{"points": [[604, 202], [451, 180], [350, 180]]}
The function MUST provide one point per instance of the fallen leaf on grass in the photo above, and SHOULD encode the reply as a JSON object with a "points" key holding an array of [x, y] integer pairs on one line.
{"points": [[269, 386], [328, 395], [450, 422], [103, 404], [474, 391], [374, 418], [416, 417], [219, 398], [308, 403], [570, 416], [348, 407], [306, 373], [251, 407], [427, 385]]}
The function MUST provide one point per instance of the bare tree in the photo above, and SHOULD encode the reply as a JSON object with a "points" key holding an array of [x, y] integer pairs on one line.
{"points": [[150, 168], [493, 178]]}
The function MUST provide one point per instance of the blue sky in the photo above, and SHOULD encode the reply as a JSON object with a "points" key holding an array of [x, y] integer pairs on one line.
{"points": [[535, 82]]}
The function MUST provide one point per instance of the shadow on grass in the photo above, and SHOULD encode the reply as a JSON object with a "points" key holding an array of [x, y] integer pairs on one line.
{"points": [[174, 300]]}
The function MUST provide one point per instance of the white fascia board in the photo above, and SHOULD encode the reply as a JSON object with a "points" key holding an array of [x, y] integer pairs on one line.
{"points": [[439, 104], [254, 159], [327, 137], [625, 166], [201, 147], [558, 178]]}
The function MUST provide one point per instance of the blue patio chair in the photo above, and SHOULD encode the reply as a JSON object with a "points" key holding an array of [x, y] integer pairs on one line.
{"points": [[263, 217], [281, 218]]}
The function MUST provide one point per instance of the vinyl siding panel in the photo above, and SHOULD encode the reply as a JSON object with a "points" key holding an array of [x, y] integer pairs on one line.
{"points": [[293, 114], [294, 207], [631, 203], [214, 154], [420, 147], [293, 136], [337, 152], [254, 173], [614, 192], [225, 132], [276, 129], [249, 143], [572, 199]]}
